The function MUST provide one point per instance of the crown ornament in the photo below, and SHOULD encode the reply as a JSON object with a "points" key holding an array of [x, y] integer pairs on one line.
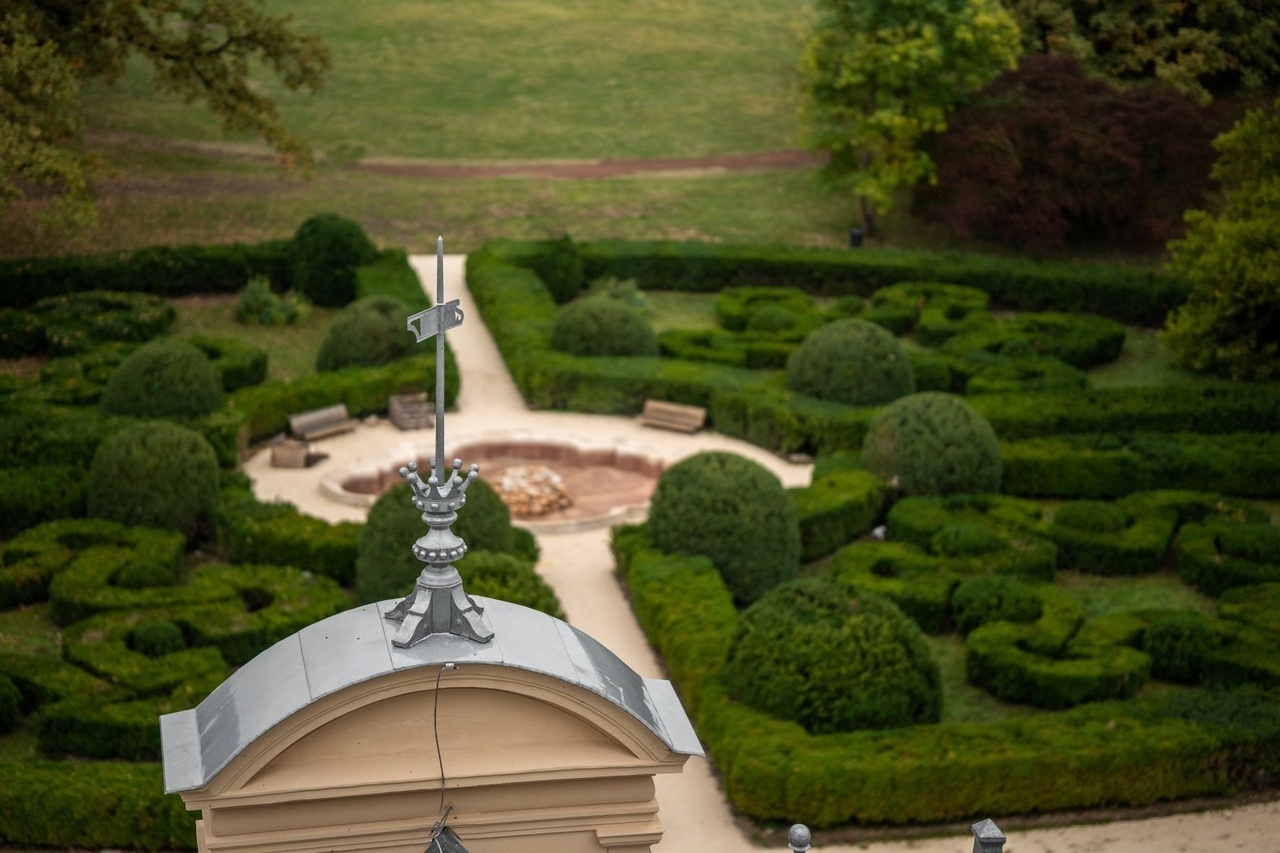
{"points": [[438, 604]]}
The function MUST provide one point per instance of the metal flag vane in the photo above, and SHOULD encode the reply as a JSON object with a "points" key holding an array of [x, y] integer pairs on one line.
{"points": [[438, 603]]}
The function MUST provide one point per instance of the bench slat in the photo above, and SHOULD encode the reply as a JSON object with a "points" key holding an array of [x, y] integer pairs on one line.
{"points": [[320, 423], [673, 416]]}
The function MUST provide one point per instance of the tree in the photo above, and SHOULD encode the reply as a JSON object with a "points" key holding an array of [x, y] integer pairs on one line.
{"points": [[1192, 45], [878, 75], [203, 50], [1230, 324]]}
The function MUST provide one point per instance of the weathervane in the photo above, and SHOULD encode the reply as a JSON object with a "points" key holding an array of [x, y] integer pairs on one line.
{"points": [[438, 603]]}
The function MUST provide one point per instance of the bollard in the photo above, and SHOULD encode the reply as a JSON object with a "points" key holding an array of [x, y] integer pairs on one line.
{"points": [[987, 837], [855, 238], [798, 838]]}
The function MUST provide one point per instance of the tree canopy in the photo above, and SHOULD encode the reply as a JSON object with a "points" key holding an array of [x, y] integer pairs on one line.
{"points": [[1193, 45], [204, 51], [878, 75], [1230, 323]]}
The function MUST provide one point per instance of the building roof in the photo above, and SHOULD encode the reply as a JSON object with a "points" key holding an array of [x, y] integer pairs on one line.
{"points": [[355, 646]]}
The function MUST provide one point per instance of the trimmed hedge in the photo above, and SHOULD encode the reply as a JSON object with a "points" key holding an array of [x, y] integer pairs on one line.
{"points": [[324, 255], [277, 534], [79, 321], [600, 326], [159, 270], [1132, 753], [31, 496], [167, 378], [932, 444], [836, 508], [851, 361], [367, 333], [1092, 539], [238, 365], [919, 583], [1124, 293], [1109, 465], [1214, 557]]}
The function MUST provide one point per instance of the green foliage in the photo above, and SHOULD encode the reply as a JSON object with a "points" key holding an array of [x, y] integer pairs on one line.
{"points": [[1201, 48], [851, 361], [10, 704], [155, 474], [21, 333], [369, 332], [78, 321], [1181, 645], [166, 378], [157, 639], [1258, 543], [771, 319], [1230, 324], [157, 270], [560, 267], [1081, 340], [258, 303], [485, 522], [993, 598], [327, 250], [29, 496], [920, 584], [237, 364], [386, 567], [734, 511], [600, 326], [49, 53], [1206, 561], [1094, 516], [836, 508], [879, 76], [966, 539], [736, 306], [277, 534], [810, 652], [932, 444]]}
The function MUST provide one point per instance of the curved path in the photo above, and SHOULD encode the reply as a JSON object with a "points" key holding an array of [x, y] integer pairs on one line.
{"points": [[580, 568]]}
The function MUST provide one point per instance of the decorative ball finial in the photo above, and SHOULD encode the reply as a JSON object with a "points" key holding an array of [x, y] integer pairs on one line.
{"points": [[798, 837]]}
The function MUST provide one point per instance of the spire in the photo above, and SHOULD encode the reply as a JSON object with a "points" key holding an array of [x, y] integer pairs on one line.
{"points": [[438, 603]]}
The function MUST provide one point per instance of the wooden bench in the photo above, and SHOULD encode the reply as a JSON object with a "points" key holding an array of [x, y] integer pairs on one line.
{"points": [[319, 423], [676, 416]]}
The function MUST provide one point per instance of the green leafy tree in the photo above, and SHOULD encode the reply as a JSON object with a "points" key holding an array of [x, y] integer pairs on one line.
{"points": [[204, 51], [1193, 45], [879, 75], [1230, 324]]}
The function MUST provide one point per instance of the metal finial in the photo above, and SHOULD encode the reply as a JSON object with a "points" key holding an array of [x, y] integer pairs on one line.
{"points": [[438, 603], [798, 838]]}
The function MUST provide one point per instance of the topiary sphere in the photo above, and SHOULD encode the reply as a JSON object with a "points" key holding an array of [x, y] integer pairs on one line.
{"points": [[166, 378], [933, 444], [733, 511], [813, 652], [598, 326], [327, 249], [771, 318], [385, 565], [851, 361], [154, 474], [368, 332]]}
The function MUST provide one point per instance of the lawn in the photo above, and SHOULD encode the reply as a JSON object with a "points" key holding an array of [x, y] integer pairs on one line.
{"points": [[291, 350]]}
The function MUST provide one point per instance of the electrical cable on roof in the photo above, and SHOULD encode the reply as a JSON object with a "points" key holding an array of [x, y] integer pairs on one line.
{"points": [[442, 814]]}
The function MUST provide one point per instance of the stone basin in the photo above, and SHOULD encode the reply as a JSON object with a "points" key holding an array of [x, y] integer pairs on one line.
{"points": [[609, 484]]}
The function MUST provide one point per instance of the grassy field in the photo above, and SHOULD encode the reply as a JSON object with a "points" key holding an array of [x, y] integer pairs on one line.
{"points": [[291, 350], [520, 79]]}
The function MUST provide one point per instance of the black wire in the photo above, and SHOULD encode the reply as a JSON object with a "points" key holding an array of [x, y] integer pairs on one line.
{"points": [[435, 726]]}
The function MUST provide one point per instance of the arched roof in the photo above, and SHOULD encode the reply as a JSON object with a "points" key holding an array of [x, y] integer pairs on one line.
{"points": [[355, 646]]}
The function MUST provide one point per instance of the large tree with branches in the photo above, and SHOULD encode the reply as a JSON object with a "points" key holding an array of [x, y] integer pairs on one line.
{"points": [[203, 50]]}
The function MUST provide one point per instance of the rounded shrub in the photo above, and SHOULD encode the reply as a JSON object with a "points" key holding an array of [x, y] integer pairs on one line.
{"points": [[932, 444], [154, 474], [993, 598], [560, 267], [851, 361], [733, 511], [368, 332], [1094, 516], [385, 565], [10, 704], [157, 639], [598, 326], [166, 378], [811, 652], [327, 249], [1180, 645]]}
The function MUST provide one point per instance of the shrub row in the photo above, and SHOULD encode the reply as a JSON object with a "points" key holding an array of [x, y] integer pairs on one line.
{"points": [[1107, 465], [30, 496], [1122, 293], [159, 270], [1132, 753], [253, 532], [836, 508]]}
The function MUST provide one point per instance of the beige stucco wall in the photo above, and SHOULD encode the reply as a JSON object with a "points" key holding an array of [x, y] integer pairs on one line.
{"points": [[530, 763]]}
